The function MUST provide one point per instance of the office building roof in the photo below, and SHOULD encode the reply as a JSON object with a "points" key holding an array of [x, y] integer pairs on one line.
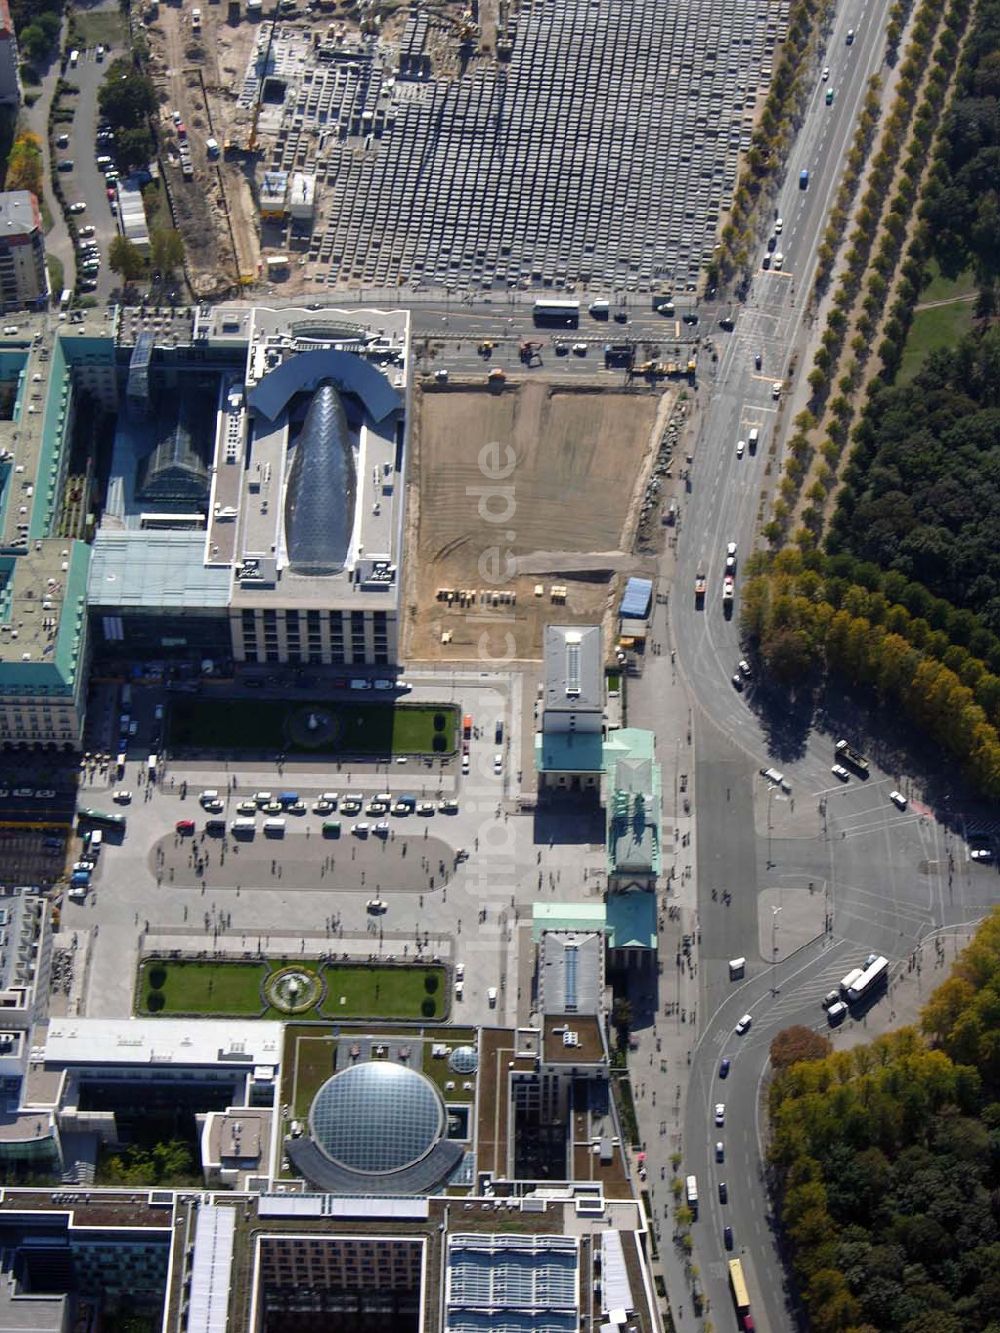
{"points": [[514, 1283], [164, 1041], [573, 668], [570, 973], [19, 213], [155, 569]]}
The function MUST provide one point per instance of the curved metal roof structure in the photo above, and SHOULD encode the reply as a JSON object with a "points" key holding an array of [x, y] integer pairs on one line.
{"points": [[377, 1117], [321, 491], [350, 374]]}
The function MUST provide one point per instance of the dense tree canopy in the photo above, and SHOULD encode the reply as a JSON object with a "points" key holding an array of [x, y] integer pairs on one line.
{"points": [[963, 203], [888, 646], [887, 1160], [127, 98], [922, 491]]}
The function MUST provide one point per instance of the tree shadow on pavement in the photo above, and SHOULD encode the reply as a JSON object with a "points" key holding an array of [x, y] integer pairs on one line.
{"points": [[786, 718]]}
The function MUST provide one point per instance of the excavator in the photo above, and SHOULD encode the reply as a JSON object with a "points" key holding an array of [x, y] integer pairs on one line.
{"points": [[531, 353]]}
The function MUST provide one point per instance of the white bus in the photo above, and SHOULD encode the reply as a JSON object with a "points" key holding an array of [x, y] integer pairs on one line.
{"points": [[564, 313], [691, 1193], [854, 975], [871, 980]]}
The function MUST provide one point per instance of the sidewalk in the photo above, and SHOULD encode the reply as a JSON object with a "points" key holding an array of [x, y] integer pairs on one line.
{"points": [[36, 119], [664, 1008]]}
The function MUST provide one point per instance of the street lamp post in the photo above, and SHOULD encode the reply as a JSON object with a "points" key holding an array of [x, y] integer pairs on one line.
{"points": [[770, 794], [774, 946]]}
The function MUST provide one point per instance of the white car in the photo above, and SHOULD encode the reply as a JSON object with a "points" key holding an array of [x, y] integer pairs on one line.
{"points": [[465, 763], [776, 390], [122, 797], [740, 447], [382, 828], [778, 224], [579, 349], [459, 971], [85, 232], [85, 867], [322, 808], [743, 667], [826, 73], [498, 763], [78, 207], [744, 1024], [898, 799], [376, 906], [720, 1114], [360, 830], [491, 995], [839, 771], [730, 548]]}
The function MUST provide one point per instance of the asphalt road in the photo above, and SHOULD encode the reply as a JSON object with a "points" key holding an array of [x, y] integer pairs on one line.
{"points": [[883, 874]]}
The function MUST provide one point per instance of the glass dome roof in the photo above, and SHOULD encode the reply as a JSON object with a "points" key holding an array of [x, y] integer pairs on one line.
{"points": [[464, 1059], [322, 482], [377, 1117]]}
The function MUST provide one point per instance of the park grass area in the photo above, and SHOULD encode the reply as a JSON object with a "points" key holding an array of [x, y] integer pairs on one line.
{"points": [[358, 991], [941, 287], [940, 326], [380, 729], [106, 26], [232, 989]]}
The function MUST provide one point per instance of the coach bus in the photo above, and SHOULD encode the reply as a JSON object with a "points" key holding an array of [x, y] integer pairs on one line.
{"points": [[872, 978], [564, 313], [739, 1289], [98, 817]]}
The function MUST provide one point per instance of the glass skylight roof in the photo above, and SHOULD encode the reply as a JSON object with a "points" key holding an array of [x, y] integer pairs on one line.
{"points": [[377, 1117]]}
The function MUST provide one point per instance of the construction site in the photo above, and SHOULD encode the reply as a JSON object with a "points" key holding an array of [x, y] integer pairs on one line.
{"points": [[551, 143], [497, 546]]}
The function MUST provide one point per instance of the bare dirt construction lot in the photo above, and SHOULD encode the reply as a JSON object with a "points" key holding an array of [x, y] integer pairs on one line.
{"points": [[574, 469]]}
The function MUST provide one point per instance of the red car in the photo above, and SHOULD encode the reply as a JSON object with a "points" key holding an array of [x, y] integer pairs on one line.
{"points": [[184, 826]]}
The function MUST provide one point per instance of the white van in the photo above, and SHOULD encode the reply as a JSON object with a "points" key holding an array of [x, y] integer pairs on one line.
{"points": [[95, 841], [263, 797], [274, 827], [74, 59], [207, 797], [753, 437]]}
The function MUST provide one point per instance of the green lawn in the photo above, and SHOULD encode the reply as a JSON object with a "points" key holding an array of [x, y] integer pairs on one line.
{"points": [[233, 989], [106, 25], [201, 723], [941, 326], [941, 288], [197, 987]]}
